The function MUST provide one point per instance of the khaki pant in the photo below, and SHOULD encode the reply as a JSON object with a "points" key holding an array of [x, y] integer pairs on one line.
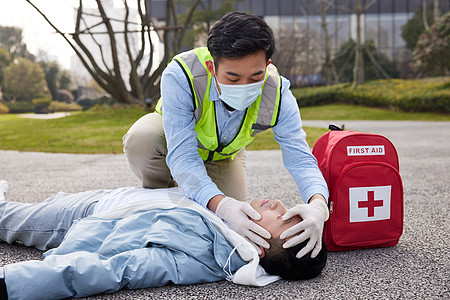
{"points": [[145, 147]]}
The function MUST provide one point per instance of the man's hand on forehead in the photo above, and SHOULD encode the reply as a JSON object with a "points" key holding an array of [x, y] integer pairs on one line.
{"points": [[314, 216]]}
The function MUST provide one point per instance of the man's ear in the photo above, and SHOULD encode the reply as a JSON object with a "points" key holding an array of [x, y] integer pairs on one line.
{"points": [[263, 252], [210, 66]]}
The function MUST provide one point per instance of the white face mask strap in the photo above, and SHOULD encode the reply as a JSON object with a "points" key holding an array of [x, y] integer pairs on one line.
{"points": [[228, 262], [215, 71]]}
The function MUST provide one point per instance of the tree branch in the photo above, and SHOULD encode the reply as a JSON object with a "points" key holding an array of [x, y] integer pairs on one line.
{"points": [[377, 65], [133, 79], [306, 14], [112, 39], [99, 46], [143, 80], [187, 21], [143, 25], [350, 56], [88, 29], [100, 76], [75, 49], [424, 15], [372, 2], [145, 76], [157, 73]]}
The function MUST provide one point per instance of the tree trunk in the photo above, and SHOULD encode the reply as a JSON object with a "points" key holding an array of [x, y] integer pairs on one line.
{"points": [[358, 68], [424, 15], [327, 67], [436, 9]]}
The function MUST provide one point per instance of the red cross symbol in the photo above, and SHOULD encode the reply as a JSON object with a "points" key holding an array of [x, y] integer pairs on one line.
{"points": [[371, 203]]}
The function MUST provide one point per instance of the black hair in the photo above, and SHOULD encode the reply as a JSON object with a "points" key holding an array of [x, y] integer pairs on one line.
{"points": [[283, 262], [238, 34]]}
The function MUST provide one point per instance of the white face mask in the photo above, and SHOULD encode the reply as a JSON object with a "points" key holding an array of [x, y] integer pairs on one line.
{"points": [[240, 96]]}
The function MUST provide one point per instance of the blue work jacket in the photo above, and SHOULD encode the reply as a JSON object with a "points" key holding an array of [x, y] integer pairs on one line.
{"points": [[145, 249]]}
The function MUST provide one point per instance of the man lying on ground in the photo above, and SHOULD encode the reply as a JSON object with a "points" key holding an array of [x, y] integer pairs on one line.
{"points": [[104, 240]]}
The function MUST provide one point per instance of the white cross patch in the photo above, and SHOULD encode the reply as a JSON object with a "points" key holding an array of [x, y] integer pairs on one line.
{"points": [[370, 203]]}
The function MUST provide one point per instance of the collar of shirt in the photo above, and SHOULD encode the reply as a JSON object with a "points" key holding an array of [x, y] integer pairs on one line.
{"points": [[213, 92]]}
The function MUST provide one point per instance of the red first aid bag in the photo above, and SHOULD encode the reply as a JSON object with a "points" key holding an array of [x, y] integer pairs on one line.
{"points": [[366, 191]]}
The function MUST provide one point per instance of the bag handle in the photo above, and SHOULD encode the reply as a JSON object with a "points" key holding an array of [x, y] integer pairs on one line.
{"points": [[334, 127]]}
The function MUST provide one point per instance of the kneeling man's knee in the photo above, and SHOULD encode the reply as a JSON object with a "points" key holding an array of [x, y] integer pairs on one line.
{"points": [[145, 137]]}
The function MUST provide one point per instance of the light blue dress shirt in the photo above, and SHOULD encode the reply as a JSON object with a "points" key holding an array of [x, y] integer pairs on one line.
{"points": [[187, 166]]}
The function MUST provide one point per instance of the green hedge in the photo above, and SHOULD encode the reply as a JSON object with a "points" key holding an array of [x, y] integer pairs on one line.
{"points": [[87, 103], [63, 106], [3, 109], [20, 107], [28, 107], [422, 95]]}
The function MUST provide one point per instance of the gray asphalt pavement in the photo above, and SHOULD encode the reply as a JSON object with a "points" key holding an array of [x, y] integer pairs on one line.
{"points": [[417, 268]]}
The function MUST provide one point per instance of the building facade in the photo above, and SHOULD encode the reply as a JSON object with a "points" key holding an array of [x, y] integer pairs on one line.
{"points": [[299, 21]]}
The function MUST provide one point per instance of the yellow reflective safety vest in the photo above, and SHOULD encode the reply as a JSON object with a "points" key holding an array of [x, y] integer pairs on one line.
{"points": [[260, 116]]}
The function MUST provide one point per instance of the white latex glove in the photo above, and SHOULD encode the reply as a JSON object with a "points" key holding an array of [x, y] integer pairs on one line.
{"points": [[238, 214], [314, 216]]}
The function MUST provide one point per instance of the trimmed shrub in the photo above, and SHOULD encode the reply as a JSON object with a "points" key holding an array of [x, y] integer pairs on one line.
{"points": [[317, 96], [62, 106], [20, 107], [41, 105], [87, 103], [64, 95], [41, 101], [3, 109], [423, 95]]}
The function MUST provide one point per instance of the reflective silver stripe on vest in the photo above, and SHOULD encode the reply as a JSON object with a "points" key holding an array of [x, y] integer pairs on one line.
{"points": [[200, 75], [268, 101], [200, 145]]}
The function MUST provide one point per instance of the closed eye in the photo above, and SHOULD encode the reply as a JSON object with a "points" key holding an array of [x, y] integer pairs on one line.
{"points": [[288, 220], [259, 78]]}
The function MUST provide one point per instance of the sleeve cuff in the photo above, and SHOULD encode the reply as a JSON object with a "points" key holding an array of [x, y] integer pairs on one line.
{"points": [[316, 190], [205, 193]]}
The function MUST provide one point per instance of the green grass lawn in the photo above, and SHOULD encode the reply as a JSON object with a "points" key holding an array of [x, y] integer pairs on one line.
{"points": [[82, 132], [101, 131]]}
